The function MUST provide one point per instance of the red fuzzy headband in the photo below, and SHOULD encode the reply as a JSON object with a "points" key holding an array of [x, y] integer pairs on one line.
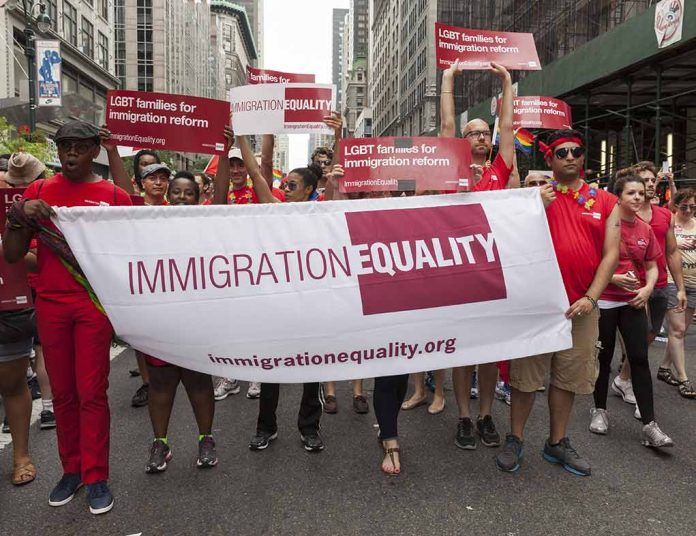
{"points": [[548, 149]]}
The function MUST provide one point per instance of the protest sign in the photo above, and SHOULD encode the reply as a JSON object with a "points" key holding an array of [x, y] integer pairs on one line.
{"points": [[476, 49], [403, 164], [281, 108], [9, 196], [540, 112], [427, 282], [268, 76], [14, 287], [164, 121]]}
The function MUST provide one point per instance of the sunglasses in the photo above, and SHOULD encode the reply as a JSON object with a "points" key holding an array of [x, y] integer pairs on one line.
{"points": [[687, 208], [478, 134], [292, 186], [80, 147], [324, 163], [563, 152], [536, 183]]}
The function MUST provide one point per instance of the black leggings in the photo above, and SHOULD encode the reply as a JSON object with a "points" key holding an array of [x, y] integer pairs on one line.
{"points": [[388, 396], [633, 325]]}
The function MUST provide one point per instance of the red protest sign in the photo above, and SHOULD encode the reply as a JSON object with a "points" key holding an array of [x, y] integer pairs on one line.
{"points": [[267, 76], [9, 196], [540, 112], [165, 121], [14, 287], [476, 49], [402, 164]]}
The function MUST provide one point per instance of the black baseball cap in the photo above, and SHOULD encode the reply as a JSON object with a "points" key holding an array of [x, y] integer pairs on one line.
{"points": [[77, 130]]}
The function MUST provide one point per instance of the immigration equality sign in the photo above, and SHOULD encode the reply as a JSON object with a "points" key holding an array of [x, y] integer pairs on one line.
{"points": [[281, 108], [49, 87], [268, 76], [403, 164], [14, 287], [398, 285], [476, 49], [165, 121]]}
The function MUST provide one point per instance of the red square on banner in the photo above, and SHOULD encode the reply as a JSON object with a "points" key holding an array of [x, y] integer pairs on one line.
{"points": [[438, 256], [307, 105]]}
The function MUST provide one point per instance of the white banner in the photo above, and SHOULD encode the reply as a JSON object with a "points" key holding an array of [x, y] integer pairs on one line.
{"points": [[328, 291], [48, 73], [281, 108]]}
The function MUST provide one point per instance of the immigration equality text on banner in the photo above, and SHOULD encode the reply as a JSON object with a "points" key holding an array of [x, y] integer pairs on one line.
{"points": [[14, 287], [281, 108], [540, 112], [268, 76], [476, 49], [164, 121], [403, 164], [49, 86], [400, 284]]}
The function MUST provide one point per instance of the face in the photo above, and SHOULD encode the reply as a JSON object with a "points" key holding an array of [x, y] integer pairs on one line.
{"points": [[238, 173], [76, 157], [650, 183], [567, 160], [323, 160], [536, 179], [146, 160], [479, 135], [182, 192], [155, 184], [633, 196], [687, 208], [295, 189]]}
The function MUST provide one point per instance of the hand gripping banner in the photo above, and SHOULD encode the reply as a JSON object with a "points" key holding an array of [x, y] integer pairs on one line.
{"points": [[328, 291]]}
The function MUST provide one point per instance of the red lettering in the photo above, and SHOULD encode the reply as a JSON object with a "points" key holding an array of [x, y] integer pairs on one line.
{"points": [[190, 272], [238, 268], [159, 274]]}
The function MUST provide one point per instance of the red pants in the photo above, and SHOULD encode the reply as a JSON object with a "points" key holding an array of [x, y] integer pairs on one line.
{"points": [[504, 369], [76, 339]]}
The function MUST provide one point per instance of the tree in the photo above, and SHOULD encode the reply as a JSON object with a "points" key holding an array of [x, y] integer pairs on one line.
{"points": [[12, 140]]}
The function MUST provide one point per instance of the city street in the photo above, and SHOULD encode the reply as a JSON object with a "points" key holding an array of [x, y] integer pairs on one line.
{"points": [[442, 490]]}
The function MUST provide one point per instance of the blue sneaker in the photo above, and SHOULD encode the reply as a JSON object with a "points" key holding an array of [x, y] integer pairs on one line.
{"points": [[566, 456], [65, 489], [509, 458], [99, 497]]}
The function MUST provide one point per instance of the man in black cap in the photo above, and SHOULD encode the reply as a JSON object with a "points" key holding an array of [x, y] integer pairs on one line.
{"points": [[76, 336]]}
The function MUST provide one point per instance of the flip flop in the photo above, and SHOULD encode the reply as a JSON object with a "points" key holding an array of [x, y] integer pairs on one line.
{"points": [[390, 452], [412, 405], [21, 472]]}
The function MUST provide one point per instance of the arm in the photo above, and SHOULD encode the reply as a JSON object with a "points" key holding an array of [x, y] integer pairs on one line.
{"points": [[17, 238], [514, 180], [222, 176], [267, 158], [507, 136], [643, 294], [263, 191], [118, 170], [674, 263], [606, 268], [447, 123], [335, 122]]}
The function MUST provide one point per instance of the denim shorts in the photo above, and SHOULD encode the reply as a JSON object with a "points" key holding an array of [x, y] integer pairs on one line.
{"points": [[12, 351]]}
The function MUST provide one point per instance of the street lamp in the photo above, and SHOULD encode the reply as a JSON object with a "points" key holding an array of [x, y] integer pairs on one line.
{"points": [[42, 22]]}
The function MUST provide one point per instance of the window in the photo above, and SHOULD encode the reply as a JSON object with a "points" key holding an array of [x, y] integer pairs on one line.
{"points": [[70, 23], [144, 34], [103, 51], [87, 38], [104, 9], [120, 40], [52, 12]]}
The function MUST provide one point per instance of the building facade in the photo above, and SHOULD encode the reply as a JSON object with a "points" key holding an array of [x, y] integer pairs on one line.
{"points": [[354, 96], [281, 153], [338, 25], [254, 10]]}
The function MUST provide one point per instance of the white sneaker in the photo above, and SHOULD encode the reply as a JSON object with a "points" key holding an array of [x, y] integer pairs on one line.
{"points": [[652, 436], [624, 389], [600, 421], [254, 390], [224, 387], [636, 413]]}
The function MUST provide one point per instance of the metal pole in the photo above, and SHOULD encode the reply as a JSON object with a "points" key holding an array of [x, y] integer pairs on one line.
{"points": [[30, 53], [627, 132], [658, 118]]}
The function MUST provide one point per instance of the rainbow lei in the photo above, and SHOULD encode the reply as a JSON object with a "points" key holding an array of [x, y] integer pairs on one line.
{"points": [[582, 200]]}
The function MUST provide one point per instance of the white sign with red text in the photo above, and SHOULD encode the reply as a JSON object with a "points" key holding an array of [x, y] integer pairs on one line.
{"points": [[281, 108], [304, 292]]}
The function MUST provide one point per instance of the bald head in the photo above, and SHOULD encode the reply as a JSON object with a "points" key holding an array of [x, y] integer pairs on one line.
{"points": [[536, 179]]}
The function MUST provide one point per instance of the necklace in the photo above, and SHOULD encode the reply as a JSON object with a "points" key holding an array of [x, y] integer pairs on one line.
{"points": [[582, 200]]}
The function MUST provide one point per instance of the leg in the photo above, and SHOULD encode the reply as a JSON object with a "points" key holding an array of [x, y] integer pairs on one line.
{"points": [[521, 404], [678, 325], [142, 367], [461, 380], [310, 409], [268, 403], [633, 325], [17, 399], [388, 395], [164, 381], [487, 377], [42, 375], [608, 320], [357, 388], [625, 368], [199, 388], [526, 376], [418, 396], [560, 407], [438, 403], [330, 389]]}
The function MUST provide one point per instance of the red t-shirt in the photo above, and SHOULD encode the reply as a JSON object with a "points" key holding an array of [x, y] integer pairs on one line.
{"points": [[53, 281], [495, 176], [578, 238], [660, 222], [638, 245], [247, 196]]}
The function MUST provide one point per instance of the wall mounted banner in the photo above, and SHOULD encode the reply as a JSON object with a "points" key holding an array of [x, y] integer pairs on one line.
{"points": [[163, 121], [281, 108], [403, 164], [14, 287], [49, 86], [540, 112], [476, 49], [267, 76], [302, 292], [669, 19]]}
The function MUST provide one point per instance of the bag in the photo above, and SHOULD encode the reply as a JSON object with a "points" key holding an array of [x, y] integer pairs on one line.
{"points": [[17, 325]]}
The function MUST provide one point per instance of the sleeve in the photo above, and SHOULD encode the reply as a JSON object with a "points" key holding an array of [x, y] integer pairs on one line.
{"points": [[32, 190], [122, 198], [608, 203], [654, 250], [501, 170]]}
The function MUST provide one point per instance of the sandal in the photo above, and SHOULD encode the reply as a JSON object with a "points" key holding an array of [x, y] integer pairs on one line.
{"points": [[686, 389], [390, 452], [23, 474], [412, 403], [665, 375]]}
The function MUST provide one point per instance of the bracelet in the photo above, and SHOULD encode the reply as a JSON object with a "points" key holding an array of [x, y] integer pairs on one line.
{"points": [[446, 91], [13, 225], [592, 301]]}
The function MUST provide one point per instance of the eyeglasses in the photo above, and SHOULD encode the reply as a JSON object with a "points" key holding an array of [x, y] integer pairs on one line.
{"points": [[562, 153], [292, 186], [80, 147], [687, 207], [324, 163], [478, 134], [536, 183]]}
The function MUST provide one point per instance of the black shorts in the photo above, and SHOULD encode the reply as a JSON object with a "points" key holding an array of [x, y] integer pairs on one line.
{"points": [[657, 308]]}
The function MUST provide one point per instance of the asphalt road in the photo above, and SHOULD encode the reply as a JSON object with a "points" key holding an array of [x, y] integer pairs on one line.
{"points": [[442, 489]]}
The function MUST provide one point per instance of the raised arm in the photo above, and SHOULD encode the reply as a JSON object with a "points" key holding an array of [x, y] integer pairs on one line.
{"points": [[506, 148], [118, 170], [335, 122], [267, 144], [447, 122], [263, 191], [222, 176]]}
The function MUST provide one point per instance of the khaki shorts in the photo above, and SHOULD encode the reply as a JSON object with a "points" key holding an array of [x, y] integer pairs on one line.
{"points": [[574, 369]]}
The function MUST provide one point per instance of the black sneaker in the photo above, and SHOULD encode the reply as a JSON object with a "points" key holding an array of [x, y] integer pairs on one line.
{"points": [[312, 442], [207, 455], [99, 497], [140, 397], [563, 454], [65, 489], [160, 455], [261, 440], [48, 420], [465, 434], [5, 426], [509, 458], [33, 385], [487, 432]]}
